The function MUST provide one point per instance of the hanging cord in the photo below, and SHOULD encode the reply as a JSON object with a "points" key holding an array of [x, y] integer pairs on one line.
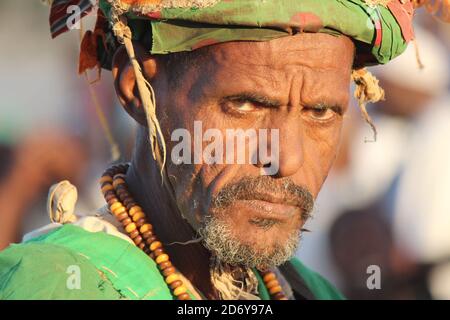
{"points": [[123, 33], [114, 147], [417, 49], [367, 90], [106, 128]]}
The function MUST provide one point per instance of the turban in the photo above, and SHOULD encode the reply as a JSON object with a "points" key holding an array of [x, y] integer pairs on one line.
{"points": [[381, 29]]}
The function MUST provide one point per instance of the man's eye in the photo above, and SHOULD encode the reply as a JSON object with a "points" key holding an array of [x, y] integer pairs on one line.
{"points": [[320, 114], [245, 106], [239, 107]]}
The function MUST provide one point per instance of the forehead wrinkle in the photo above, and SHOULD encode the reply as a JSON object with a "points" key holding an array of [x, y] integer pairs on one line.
{"points": [[323, 87], [283, 61], [230, 61], [261, 76], [270, 59], [252, 77], [263, 73], [275, 51], [267, 65], [327, 61], [306, 50]]}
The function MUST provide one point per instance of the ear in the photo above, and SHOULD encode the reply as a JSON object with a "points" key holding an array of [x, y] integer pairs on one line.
{"points": [[125, 80]]}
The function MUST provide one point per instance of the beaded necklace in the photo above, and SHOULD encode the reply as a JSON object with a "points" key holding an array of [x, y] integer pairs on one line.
{"points": [[126, 210]]}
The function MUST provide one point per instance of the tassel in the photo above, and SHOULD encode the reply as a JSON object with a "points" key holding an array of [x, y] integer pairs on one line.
{"points": [[230, 288], [367, 90], [89, 60], [88, 53], [383, 3], [89, 45], [123, 33], [147, 6]]}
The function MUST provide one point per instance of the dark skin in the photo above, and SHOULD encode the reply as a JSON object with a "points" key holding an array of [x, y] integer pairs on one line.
{"points": [[298, 84]]}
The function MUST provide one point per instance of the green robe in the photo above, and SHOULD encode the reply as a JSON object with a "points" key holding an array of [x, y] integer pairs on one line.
{"points": [[72, 263]]}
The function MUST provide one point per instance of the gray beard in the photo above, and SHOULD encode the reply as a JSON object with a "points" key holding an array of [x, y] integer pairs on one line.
{"points": [[218, 238]]}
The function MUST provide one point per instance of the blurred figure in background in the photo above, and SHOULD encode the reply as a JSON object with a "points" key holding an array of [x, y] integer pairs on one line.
{"points": [[41, 91], [421, 196], [363, 238], [419, 201], [402, 182], [28, 169]]}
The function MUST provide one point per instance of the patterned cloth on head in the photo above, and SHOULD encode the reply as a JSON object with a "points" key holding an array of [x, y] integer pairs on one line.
{"points": [[381, 29]]}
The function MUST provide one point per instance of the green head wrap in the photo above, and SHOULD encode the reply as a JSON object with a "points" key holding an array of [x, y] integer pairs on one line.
{"points": [[381, 31]]}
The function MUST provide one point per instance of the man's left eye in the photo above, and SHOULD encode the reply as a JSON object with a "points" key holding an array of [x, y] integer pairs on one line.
{"points": [[320, 114]]}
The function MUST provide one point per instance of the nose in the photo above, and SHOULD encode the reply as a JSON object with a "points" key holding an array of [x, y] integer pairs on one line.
{"points": [[285, 150]]}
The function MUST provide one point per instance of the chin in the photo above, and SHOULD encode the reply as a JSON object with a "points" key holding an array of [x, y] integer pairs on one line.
{"points": [[238, 238], [261, 227]]}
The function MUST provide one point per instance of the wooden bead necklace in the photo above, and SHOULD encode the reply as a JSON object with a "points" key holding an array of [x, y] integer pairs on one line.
{"points": [[122, 205]]}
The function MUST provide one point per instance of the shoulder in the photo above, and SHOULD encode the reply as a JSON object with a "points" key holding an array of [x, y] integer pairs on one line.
{"points": [[319, 286], [48, 271], [71, 263]]}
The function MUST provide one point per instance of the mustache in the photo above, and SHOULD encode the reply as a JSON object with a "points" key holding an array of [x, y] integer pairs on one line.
{"points": [[265, 188]]}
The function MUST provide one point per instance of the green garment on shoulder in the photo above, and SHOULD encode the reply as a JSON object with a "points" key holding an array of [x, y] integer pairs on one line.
{"points": [[72, 263]]}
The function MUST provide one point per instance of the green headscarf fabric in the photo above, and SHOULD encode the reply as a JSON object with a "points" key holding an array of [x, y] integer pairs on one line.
{"points": [[380, 32]]}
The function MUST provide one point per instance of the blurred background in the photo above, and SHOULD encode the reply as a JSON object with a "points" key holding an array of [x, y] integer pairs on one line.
{"points": [[385, 203]]}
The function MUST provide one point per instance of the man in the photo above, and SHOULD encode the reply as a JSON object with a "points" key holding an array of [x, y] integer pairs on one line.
{"points": [[236, 65]]}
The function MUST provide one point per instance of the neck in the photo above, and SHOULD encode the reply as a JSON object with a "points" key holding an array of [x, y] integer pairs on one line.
{"points": [[192, 260]]}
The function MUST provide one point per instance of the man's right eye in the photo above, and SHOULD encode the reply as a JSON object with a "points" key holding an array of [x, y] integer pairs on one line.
{"points": [[239, 106], [246, 106]]}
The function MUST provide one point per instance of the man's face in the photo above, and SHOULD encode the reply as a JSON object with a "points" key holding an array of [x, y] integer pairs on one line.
{"points": [[298, 85]]}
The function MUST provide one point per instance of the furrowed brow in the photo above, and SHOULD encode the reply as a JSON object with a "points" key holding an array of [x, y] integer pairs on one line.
{"points": [[256, 99]]}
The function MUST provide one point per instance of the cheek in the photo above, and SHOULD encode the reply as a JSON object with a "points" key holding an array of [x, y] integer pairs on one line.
{"points": [[175, 123], [190, 180], [321, 147], [185, 184]]}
